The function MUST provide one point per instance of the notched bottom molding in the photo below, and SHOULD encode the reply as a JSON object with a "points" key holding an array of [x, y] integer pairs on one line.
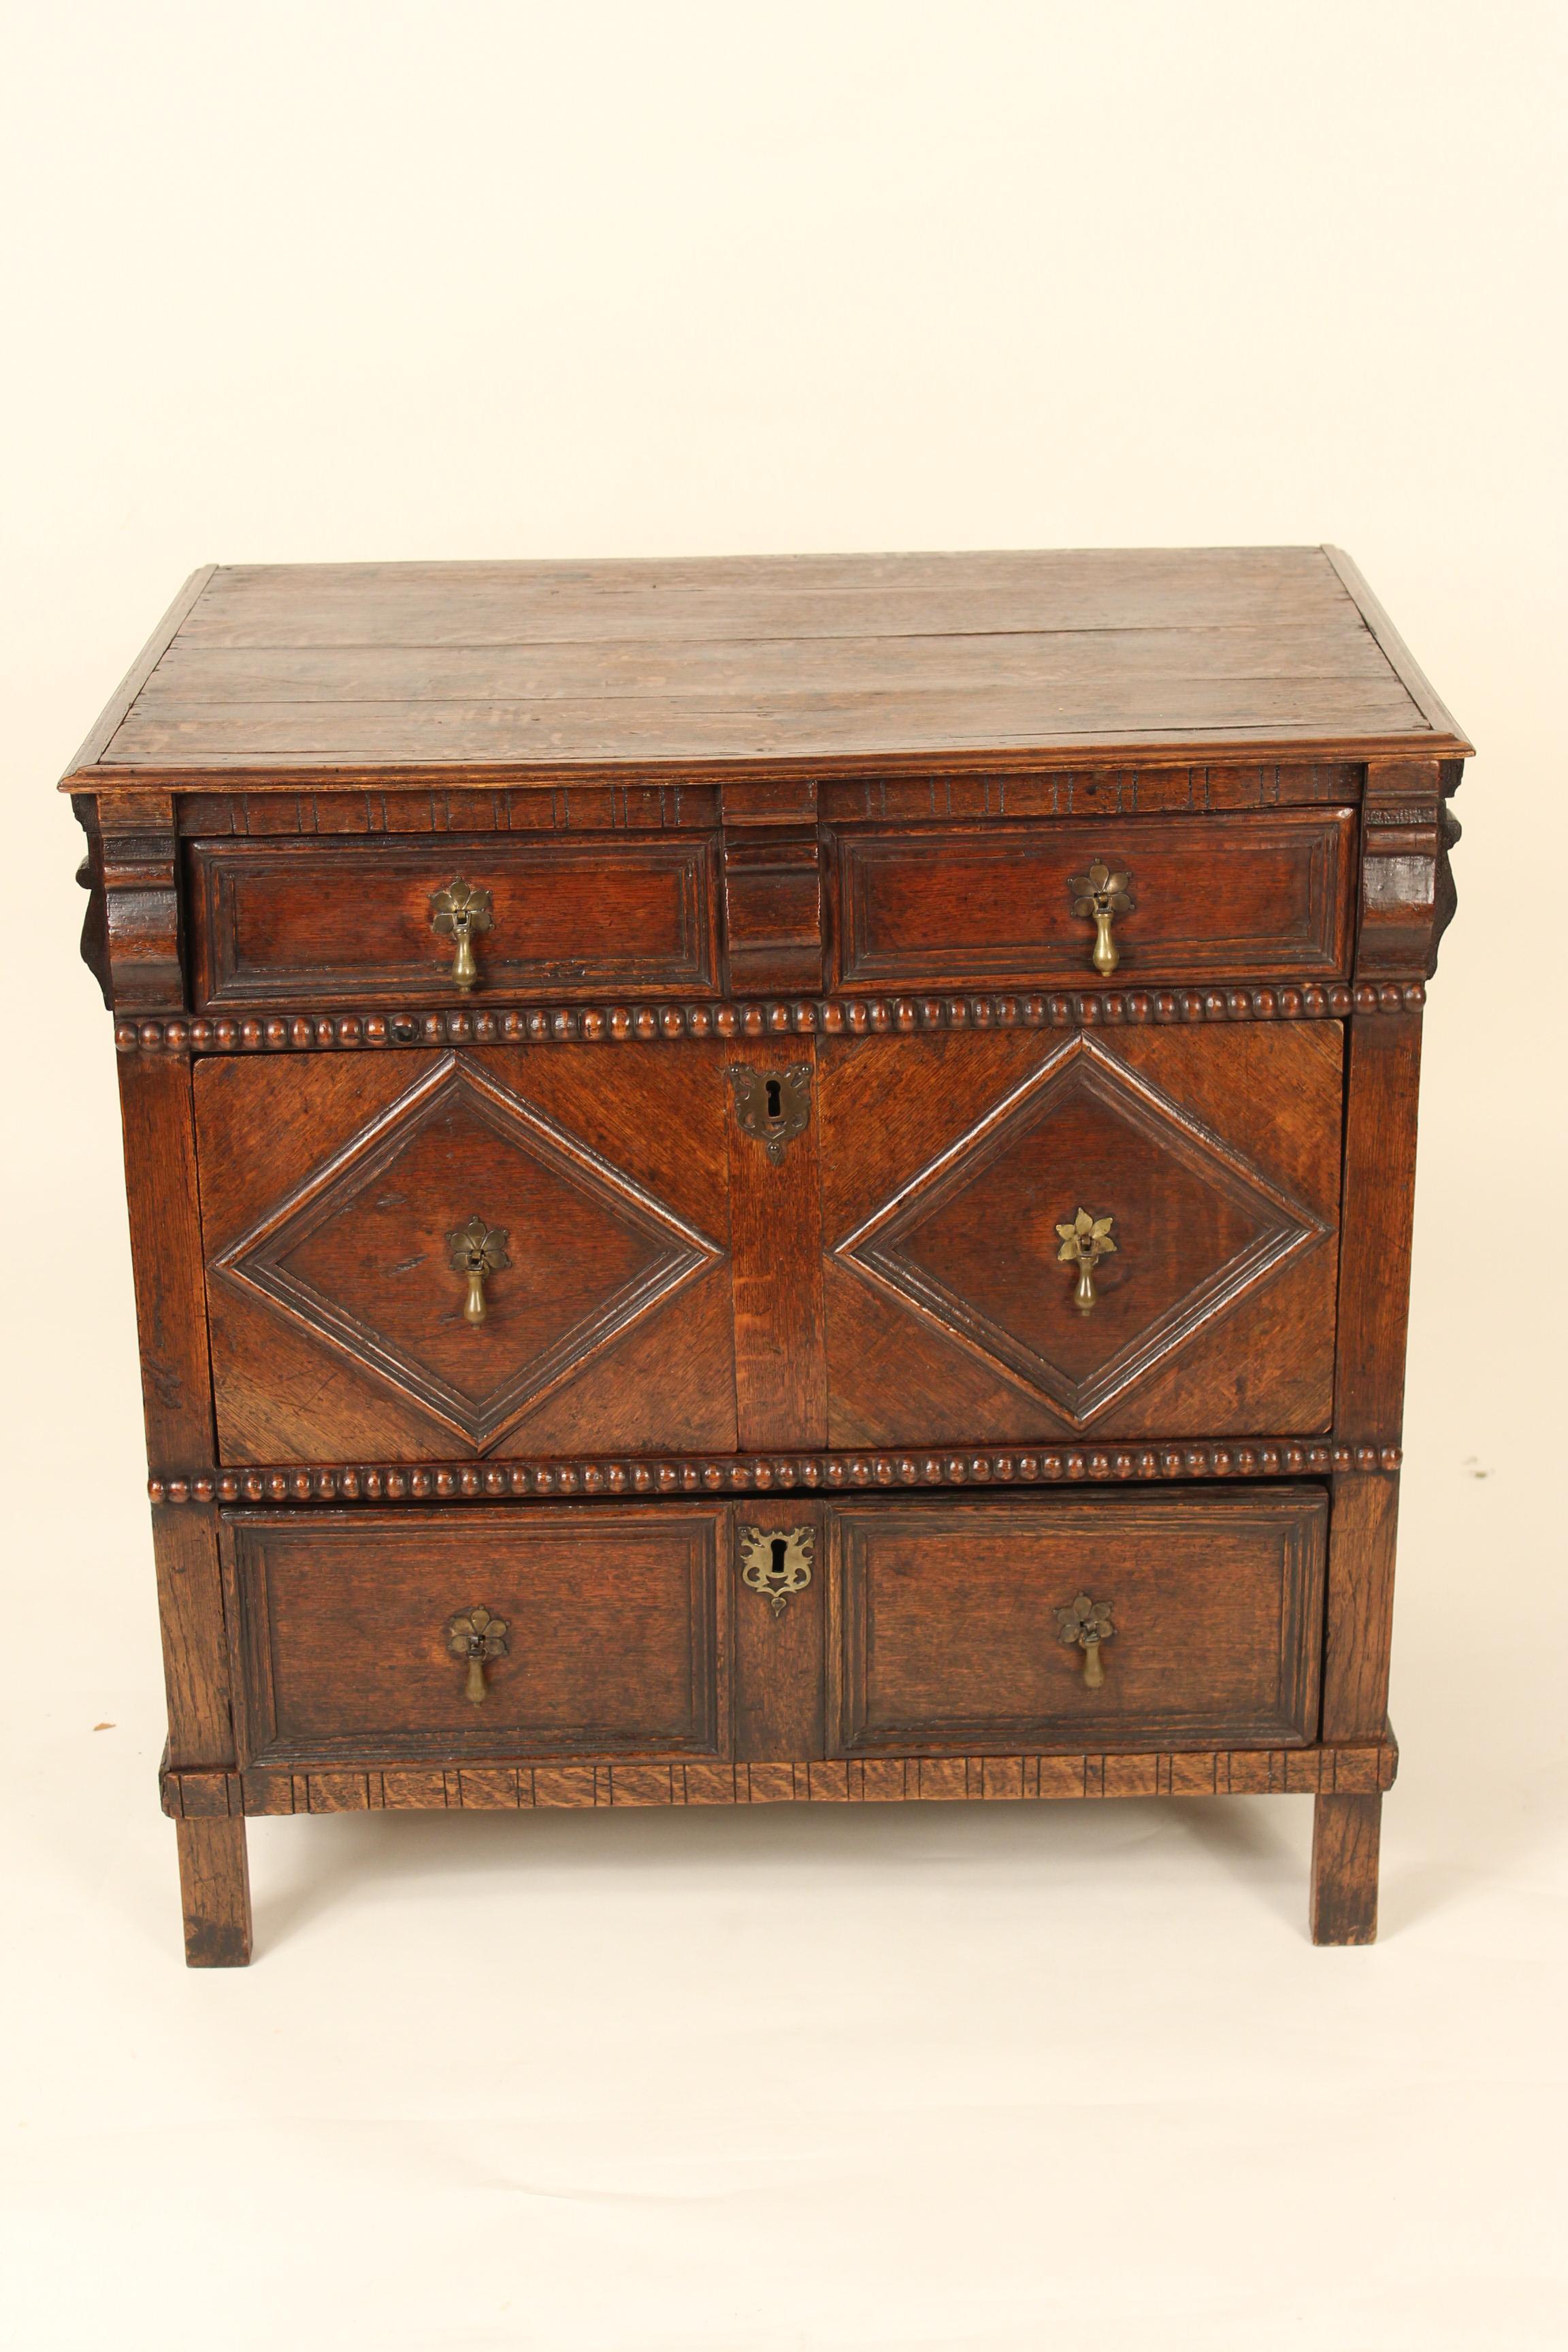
{"points": [[1319, 1771]]}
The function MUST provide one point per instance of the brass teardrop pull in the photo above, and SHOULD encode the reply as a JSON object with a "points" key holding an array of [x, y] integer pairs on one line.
{"points": [[1083, 1244], [458, 912], [1102, 894], [476, 1250], [477, 1637], [1084, 1625]]}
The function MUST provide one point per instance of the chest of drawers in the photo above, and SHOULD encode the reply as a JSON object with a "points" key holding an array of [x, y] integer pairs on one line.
{"points": [[771, 1180]]}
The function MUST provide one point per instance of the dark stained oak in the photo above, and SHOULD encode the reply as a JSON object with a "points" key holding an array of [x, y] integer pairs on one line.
{"points": [[215, 1892], [337, 1316], [945, 1633], [779, 1684], [775, 1245], [760, 833], [1346, 1834], [300, 923], [948, 1164], [1228, 898], [614, 1636], [764, 659]]}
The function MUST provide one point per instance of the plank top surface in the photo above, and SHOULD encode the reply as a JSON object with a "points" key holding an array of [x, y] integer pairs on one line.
{"points": [[817, 663]]}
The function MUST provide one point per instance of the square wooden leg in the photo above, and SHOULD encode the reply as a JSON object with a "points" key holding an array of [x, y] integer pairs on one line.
{"points": [[1344, 1869], [215, 1890]]}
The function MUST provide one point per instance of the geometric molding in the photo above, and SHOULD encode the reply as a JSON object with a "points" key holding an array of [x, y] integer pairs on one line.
{"points": [[631, 1023], [299, 1259], [915, 1247], [705, 1473], [1365, 1769]]}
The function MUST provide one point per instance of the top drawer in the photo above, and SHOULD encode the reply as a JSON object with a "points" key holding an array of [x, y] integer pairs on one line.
{"points": [[355, 922], [1200, 899]]}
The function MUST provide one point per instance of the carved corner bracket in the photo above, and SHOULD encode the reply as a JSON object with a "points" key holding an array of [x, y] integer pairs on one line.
{"points": [[131, 935], [1407, 892]]}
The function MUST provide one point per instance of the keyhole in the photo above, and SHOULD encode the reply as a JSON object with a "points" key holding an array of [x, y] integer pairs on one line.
{"points": [[775, 1099], [780, 1546]]}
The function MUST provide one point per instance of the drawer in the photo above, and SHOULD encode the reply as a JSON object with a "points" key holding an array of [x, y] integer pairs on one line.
{"points": [[947, 1621], [530, 1632], [350, 923], [340, 1197], [1204, 1160], [1204, 899]]}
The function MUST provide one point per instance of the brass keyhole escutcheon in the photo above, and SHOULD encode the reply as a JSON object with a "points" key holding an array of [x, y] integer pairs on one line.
{"points": [[458, 912], [1084, 1625], [772, 1106], [477, 1637], [476, 1250], [1083, 1244], [1102, 894], [776, 1561]]}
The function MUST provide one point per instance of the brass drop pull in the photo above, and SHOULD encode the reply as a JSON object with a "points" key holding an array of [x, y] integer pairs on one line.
{"points": [[1103, 895], [457, 912], [1084, 1243], [1084, 1625], [776, 1561], [476, 1250], [477, 1637]]}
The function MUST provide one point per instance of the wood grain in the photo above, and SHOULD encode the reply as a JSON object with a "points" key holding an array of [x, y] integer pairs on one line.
{"points": [[375, 1786], [757, 661], [336, 1316], [191, 1618], [1345, 1840], [1359, 1623], [949, 1162], [1382, 1084], [1222, 898], [943, 1631], [300, 922], [159, 1137], [617, 1634], [215, 1892], [820, 812], [117, 708], [779, 1658], [775, 1245]]}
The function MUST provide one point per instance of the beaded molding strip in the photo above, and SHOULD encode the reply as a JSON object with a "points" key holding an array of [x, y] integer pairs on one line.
{"points": [[687, 1474], [1342, 1771], [827, 1017]]}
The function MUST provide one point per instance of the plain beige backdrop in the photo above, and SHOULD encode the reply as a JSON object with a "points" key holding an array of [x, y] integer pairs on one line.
{"points": [[456, 278]]}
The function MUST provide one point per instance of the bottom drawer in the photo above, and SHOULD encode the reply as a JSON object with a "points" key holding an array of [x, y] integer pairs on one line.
{"points": [[948, 1620], [597, 1630]]}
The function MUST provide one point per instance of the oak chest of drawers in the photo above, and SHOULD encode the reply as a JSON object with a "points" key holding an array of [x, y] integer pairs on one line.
{"points": [[771, 1180]]}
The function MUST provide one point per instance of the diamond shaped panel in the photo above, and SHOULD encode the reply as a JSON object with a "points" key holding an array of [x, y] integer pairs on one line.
{"points": [[358, 1255], [972, 1242]]}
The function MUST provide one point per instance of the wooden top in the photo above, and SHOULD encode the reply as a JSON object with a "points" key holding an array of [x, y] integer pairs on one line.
{"points": [[762, 665]]}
